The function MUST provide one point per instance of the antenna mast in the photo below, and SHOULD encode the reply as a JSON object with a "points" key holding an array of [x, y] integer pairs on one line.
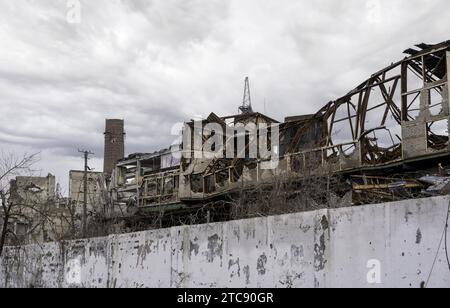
{"points": [[246, 107]]}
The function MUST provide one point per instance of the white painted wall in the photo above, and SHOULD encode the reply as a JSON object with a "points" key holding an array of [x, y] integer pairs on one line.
{"points": [[326, 248]]}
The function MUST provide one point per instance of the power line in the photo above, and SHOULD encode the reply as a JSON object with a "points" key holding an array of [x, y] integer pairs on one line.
{"points": [[444, 236]]}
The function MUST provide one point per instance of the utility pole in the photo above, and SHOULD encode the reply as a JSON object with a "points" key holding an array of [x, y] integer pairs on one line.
{"points": [[85, 190]]}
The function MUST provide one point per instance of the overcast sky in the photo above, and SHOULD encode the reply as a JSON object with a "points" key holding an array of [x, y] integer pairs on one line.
{"points": [[158, 62]]}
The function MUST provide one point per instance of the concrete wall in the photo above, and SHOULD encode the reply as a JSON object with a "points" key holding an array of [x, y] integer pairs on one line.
{"points": [[327, 248]]}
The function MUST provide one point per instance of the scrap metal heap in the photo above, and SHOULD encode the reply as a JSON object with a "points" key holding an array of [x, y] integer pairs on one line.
{"points": [[380, 140]]}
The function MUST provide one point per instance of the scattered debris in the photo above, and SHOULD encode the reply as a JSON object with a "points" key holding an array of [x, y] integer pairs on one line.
{"points": [[439, 185]]}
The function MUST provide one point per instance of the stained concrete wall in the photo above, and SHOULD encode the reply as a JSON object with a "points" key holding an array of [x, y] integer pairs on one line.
{"points": [[327, 248]]}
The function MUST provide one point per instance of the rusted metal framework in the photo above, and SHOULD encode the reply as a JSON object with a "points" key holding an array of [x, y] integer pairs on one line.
{"points": [[400, 113]]}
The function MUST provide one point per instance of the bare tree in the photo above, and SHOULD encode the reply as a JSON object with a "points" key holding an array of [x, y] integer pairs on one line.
{"points": [[11, 166]]}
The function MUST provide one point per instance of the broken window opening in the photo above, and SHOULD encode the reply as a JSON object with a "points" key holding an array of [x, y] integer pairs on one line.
{"points": [[176, 180], [169, 186], [436, 101], [342, 124], [222, 178], [159, 187], [414, 77], [348, 150], [434, 66], [437, 135], [210, 185], [197, 183], [332, 153], [34, 189], [413, 106], [236, 173], [379, 146]]}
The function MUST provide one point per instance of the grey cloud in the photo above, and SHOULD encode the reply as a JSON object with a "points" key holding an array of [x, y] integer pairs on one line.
{"points": [[156, 63]]}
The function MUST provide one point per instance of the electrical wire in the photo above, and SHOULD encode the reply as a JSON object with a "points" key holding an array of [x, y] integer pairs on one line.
{"points": [[444, 236]]}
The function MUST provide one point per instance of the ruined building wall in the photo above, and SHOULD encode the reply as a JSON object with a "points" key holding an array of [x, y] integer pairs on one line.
{"points": [[95, 200], [326, 248], [29, 190], [33, 199], [114, 144]]}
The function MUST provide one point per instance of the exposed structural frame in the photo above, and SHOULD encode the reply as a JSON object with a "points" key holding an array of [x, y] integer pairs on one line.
{"points": [[399, 115]]}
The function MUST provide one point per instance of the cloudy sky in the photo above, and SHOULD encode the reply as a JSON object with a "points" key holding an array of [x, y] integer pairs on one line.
{"points": [[158, 62]]}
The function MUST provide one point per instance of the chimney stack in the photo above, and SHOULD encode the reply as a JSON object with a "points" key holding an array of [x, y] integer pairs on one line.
{"points": [[114, 144]]}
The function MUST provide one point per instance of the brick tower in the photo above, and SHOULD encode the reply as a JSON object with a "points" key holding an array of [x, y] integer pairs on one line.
{"points": [[114, 144]]}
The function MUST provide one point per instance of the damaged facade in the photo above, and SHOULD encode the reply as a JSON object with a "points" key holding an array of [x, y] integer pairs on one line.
{"points": [[145, 179], [38, 215], [392, 125], [95, 191]]}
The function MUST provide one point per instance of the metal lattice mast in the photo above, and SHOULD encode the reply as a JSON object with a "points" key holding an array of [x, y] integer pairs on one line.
{"points": [[246, 107]]}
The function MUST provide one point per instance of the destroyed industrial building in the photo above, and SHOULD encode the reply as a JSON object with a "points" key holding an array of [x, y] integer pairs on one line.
{"points": [[381, 139], [385, 140]]}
